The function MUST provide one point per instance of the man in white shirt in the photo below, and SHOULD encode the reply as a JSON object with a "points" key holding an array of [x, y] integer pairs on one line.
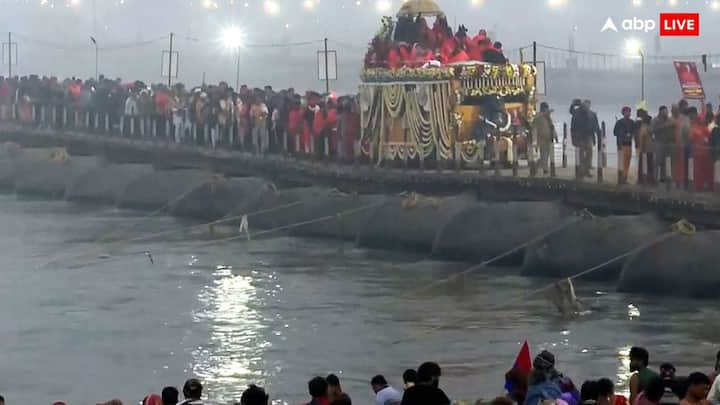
{"points": [[714, 394], [384, 393]]}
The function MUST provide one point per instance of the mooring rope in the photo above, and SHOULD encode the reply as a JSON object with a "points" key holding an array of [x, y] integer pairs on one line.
{"points": [[326, 218], [583, 215], [92, 250], [682, 227]]}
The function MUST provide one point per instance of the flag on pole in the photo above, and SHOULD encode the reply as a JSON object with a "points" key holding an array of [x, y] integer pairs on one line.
{"points": [[523, 363]]}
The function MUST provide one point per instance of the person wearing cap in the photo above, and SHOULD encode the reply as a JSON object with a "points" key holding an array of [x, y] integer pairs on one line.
{"points": [[192, 390], [624, 132], [543, 131]]}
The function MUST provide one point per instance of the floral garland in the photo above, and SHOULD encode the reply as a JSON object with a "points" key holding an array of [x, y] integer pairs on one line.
{"points": [[481, 71], [407, 74]]}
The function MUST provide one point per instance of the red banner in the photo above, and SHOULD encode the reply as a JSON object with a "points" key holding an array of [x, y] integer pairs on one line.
{"points": [[690, 83]]}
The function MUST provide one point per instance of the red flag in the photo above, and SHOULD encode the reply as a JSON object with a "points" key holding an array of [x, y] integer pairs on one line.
{"points": [[523, 361]]}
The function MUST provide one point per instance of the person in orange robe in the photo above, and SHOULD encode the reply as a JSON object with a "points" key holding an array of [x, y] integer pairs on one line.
{"points": [[325, 129], [295, 124], [682, 127], [458, 55], [394, 60], [700, 152]]}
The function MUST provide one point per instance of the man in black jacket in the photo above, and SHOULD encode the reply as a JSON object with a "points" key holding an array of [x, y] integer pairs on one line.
{"points": [[624, 132], [585, 131]]}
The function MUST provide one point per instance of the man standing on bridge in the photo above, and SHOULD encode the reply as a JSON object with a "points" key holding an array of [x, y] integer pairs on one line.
{"points": [[583, 130]]}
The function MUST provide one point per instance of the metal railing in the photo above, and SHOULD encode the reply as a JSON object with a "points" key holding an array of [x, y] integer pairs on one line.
{"points": [[666, 167]]}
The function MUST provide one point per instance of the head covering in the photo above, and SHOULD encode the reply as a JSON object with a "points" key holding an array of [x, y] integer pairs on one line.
{"points": [[152, 399], [544, 361]]}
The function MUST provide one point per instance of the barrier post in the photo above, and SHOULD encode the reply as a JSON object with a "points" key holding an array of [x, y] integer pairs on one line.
{"points": [[297, 145], [642, 161], [690, 174], [515, 160], [532, 158], [552, 159], [456, 157], [668, 174], [32, 112], [481, 157], [107, 123], [578, 171], [54, 116], [285, 143], [356, 152], [76, 119], [603, 149], [564, 146], [496, 156], [87, 119], [64, 117], [13, 112], [42, 114], [206, 134], [154, 127], [326, 149], [600, 154], [168, 124], [132, 125]]}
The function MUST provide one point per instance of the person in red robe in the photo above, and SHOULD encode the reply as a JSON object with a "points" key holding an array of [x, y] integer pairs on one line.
{"points": [[700, 152], [447, 49], [458, 55], [295, 124], [312, 107], [325, 129], [394, 60]]}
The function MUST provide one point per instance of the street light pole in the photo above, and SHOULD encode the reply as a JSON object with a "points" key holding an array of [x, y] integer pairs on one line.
{"points": [[237, 72], [97, 57], [642, 75]]}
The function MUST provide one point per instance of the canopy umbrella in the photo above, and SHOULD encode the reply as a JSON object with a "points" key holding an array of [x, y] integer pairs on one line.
{"points": [[425, 8]]}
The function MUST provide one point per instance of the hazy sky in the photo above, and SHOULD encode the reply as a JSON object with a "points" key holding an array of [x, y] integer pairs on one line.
{"points": [[53, 35]]}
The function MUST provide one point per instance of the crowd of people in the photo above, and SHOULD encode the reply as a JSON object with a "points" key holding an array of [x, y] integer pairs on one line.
{"points": [[679, 145], [259, 120], [529, 382]]}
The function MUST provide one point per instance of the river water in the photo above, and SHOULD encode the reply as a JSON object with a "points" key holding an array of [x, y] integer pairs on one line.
{"points": [[85, 319]]}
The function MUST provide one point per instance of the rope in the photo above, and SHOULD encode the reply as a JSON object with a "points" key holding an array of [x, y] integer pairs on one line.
{"points": [[295, 225], [247, 236], [172, 231], [581, 217], [681, 227]]}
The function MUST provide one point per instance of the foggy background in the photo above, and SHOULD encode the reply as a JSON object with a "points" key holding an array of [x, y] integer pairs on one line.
{"points": [[282, 37]]}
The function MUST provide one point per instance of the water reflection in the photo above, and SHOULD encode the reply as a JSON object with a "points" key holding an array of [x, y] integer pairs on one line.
{"points": [[237, 340]]}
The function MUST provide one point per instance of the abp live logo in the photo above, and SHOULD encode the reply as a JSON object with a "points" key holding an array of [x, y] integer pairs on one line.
{"points": [[671, 24], [679, 24]]}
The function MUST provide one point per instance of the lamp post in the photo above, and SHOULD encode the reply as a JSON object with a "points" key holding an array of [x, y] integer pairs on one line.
{"points": [[97, 56], [634, 48], [233, 38], [642, 74]]}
